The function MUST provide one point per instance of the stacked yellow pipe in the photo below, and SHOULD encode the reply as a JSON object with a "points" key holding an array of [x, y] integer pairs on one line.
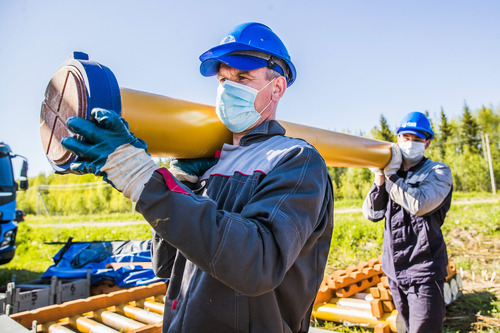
{"points": [[151, 305], [53, 327], [87, 325], [177, 128], [117, 321], [139, 314], [340, 314]]}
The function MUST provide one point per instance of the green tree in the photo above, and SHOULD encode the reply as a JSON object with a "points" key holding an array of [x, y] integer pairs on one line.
{"points": [[444, 133], [384, 133], [470, 130]]}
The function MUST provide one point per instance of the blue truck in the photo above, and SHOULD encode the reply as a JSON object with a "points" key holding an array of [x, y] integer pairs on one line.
{"points": [[9, 215]]}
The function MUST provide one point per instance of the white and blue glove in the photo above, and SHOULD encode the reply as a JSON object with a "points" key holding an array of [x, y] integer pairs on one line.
{"points": [[190, 169], [110, 150], [395, 163]]}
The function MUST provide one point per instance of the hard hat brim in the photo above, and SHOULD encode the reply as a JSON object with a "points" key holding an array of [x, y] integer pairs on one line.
{"points": [[218, 52], [210, 66], [421, 135]]}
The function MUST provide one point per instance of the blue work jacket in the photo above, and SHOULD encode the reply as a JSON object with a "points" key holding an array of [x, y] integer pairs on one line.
{"points": [[414, 204]]}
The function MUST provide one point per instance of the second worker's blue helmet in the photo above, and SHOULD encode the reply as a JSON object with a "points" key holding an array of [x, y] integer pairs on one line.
{"points": [[416, 123], [249, 46]]}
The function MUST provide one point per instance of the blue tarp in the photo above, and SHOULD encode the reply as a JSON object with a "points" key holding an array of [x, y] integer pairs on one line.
{"points": [[74, 259]]}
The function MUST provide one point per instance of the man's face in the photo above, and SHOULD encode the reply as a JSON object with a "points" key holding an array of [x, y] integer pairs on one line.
{"points": [[256, 79], [412, 137]]}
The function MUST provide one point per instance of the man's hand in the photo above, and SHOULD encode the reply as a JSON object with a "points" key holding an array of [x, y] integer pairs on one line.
{"points": [[395, 163], [190, 169], [110, 150]]}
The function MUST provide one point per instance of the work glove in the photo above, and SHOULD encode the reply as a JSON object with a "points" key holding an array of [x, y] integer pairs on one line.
{"points": [[377, 171], [110, 150], [395, 163], [190, 169]]}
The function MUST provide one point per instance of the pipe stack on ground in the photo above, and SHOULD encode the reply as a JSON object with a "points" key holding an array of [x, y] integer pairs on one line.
{"points": [[360, 295], [138, 309]]}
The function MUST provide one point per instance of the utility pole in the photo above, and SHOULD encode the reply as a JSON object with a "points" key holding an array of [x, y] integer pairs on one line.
{"points": [[39, 196], [484, 147], [490, 163]]}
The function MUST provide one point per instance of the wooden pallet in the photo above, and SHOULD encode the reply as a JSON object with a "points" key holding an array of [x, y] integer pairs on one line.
{"points": [[137, 310]]}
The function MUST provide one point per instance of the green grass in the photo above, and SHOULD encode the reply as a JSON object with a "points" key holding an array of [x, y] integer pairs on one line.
{"points": [[354, 239], [34, 255], [351, 203], [472, 195]]}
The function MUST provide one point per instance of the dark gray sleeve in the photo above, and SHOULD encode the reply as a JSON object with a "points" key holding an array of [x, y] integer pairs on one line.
{"points": [[162, 256], [375, 203]]}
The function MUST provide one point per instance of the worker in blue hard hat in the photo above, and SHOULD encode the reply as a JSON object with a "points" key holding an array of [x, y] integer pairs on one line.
{"points": [[243, 237], [413, 194], [254, 69]]}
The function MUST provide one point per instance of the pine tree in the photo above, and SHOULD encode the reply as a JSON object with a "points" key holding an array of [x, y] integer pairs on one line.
{"points": [[445, 131], [384, 133], [470, 130], [430, 120]]}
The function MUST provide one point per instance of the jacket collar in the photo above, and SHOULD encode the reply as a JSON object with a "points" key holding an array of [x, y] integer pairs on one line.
{"points": [[418, 165], [402, 173], [262, 132]]}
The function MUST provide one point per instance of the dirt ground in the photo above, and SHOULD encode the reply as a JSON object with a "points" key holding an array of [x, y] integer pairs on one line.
{"points": [[469, 313], [477, 309]]}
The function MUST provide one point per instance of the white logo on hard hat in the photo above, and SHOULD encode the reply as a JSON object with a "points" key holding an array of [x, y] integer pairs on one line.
{"points": [[228, 39], [410, 124]]}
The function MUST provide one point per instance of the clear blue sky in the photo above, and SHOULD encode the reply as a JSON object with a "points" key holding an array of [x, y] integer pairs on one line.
{"points": [[355, 60]]}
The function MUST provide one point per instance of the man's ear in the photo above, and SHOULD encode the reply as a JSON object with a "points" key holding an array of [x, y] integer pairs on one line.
{"points": [[279, 87], [427, 143]]}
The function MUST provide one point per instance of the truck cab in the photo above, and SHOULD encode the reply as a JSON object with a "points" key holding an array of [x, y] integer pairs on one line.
{"points": [[9, 216]]}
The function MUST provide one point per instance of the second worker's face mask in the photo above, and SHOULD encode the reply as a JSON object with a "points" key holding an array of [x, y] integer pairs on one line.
{"points": [[235, 105], [412, 151]]}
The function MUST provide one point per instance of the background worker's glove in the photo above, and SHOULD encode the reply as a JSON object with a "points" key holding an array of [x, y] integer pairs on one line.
{"points": [[110, 150], [395, 163], [377, 171], [190, 169]]}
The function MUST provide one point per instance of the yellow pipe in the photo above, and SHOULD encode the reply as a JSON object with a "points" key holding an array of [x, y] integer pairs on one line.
{"points": [[56, 327], [139, 314], [151, 305], [171, 127], [160, 298], [117, 321], [339, 314], [178, 128], [86, 325], [59, 329]]}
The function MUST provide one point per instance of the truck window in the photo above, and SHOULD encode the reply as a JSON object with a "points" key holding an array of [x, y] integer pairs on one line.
{"points": [[6, 174]]}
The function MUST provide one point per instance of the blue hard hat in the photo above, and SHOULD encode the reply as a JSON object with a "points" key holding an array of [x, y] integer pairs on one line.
{"points": [[416, 123], [249, 46]]}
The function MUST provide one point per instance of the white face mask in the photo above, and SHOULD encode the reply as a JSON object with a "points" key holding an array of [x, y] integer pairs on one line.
{"points": [[412, 151], [235, 105]]}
